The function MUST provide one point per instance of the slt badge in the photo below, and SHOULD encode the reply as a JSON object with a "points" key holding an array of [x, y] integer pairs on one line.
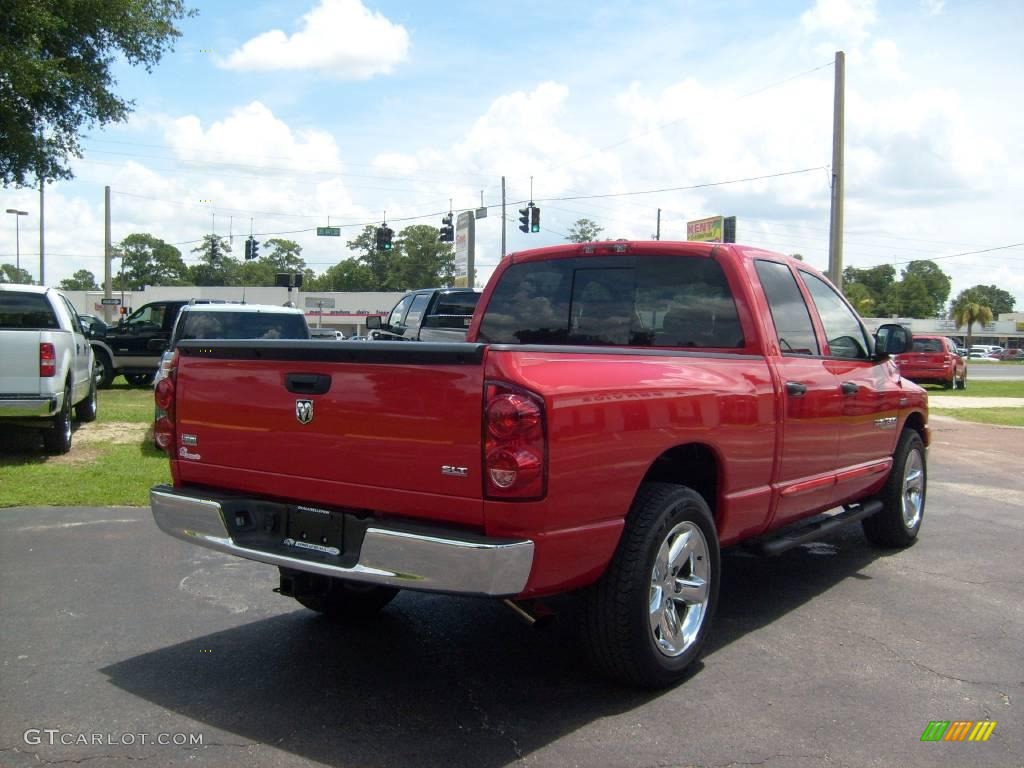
{"points": [[304, 411]]}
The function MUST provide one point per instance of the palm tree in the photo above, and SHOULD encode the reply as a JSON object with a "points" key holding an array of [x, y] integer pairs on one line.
{"points": [[968, 313]]}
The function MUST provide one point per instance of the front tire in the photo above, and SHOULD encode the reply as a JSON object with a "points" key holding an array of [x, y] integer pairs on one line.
{"points": [[57, 439], [903, 497], [103, 370], [644, 622]]}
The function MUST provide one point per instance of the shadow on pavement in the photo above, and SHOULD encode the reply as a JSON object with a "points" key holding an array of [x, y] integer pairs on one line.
{"points": [[434, 679]]}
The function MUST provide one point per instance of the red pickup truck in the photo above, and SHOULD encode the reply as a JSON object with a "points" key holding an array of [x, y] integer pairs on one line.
{"points": [[619, 412]]}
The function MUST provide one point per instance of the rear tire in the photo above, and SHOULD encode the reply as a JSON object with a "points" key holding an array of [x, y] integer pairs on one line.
{"points": [[644, 622], [86, 410], [903, 497], [349, 600], [57, 439]]}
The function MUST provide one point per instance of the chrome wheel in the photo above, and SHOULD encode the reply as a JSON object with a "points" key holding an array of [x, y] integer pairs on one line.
{"points": [[679, 589], [913, 489]]}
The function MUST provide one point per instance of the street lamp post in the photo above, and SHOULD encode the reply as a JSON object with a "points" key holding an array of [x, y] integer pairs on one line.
{"points": [[17, 235]]}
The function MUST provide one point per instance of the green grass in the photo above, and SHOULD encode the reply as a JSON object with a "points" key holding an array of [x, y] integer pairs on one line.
{"points": [[1007, 417], [124, 403], [981, 389], [112, 461]]}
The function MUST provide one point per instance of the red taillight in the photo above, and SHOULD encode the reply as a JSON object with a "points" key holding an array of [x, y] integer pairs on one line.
{"points": [[163, 430], [47, 360], [515, 444]]}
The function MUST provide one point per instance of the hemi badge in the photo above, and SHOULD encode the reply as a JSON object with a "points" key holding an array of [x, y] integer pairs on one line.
{"points": [[189, 440], [450, 471]]}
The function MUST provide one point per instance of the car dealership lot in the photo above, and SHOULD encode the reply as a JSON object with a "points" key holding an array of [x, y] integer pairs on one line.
{"points": [[831, 654]]}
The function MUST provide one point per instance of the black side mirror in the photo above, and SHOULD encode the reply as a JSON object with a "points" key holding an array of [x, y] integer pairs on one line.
{"points": [[893, 339], [373, 322]]}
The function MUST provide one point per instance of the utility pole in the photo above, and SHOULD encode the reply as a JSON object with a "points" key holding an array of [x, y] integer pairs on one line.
{"points": [[106, 253], [42, 250], [503, 223], [835, 239], [657, 234]]}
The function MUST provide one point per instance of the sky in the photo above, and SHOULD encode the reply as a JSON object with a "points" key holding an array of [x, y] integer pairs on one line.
{"points": [[280, 117]]}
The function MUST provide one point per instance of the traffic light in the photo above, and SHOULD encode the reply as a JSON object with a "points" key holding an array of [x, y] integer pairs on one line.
{"points": [[535, 219], [215, 249], [252, 248], [248, 249], [447, 234], [384, 234], [255, 248], [524, 218]]}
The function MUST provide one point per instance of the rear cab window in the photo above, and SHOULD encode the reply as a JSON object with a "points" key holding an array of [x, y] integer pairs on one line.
{"points": [[240, 325], [26, 311], [452, 310], [645, 301]]}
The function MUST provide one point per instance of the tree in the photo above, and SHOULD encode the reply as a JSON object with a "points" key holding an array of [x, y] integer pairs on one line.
{"points": [[12, 274], [423, 260], [996, 299], [860, 297], [380, 263], [968, 312], [148, 260], [911, 298], [58, 59], [879, 282], [346, 275], [928, 276], [216, 266], [584, 231], [82, 280]]}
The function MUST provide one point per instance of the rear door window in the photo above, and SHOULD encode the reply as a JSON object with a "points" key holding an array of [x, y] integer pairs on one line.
{"points": [[676, 301], [416, 310]]}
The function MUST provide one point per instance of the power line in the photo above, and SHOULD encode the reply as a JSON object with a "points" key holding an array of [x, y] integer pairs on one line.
{"points": [[966, 253]]}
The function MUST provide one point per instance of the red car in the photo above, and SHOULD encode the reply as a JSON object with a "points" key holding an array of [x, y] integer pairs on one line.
{"points": [[934, 360]]}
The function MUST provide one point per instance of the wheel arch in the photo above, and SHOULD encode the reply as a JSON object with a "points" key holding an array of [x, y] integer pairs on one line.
{"points": [[916, 421], [695, 465]]}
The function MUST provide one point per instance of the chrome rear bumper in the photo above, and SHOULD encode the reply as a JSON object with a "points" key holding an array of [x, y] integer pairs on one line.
{"points": [[30, 406], [408, 557]]}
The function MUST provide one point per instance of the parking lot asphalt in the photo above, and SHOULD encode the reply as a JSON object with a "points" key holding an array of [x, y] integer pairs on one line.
{"points": [[833, 654]]}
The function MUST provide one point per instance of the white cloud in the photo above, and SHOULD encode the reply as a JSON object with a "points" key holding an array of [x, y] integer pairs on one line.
{"points": [[252, 135], [933, 7], [341, 38], [845, 19]]}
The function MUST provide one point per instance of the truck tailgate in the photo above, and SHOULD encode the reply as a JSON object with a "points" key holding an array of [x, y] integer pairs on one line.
{"points": [[19, 362], [398, 416]]}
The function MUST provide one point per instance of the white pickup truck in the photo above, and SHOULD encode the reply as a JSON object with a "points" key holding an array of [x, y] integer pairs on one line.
{"points": [[46, 364]]}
